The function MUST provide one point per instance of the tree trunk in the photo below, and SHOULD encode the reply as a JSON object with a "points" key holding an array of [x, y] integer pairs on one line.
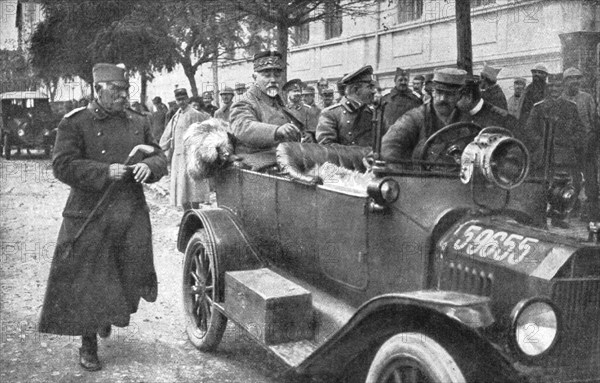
{"points": [[282, 47], [190, 73], [144, 87], [464, 59], [215, 72]]}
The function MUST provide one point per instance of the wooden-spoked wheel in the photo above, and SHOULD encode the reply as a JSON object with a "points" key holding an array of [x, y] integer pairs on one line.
{"points": [[413, 358], [201, 285]]}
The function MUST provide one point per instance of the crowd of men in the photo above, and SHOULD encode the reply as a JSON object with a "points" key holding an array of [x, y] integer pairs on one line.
{"points": [[270, 111]]}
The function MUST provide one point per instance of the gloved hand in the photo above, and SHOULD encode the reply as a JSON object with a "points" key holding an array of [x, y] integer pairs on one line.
{"points": [[287, 132]]}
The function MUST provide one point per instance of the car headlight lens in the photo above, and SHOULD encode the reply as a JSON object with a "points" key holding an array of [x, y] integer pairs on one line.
{"points": [[502, 160], [384, 191], [535, 327]]}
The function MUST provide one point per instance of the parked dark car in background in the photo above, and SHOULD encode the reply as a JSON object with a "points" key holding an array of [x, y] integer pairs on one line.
{"points": [[27, 122]]}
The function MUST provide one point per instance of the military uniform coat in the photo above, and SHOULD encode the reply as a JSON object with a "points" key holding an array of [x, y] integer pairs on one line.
{"points": [[223, 112], [254, 120], [534, 92], [183, 188], [346, 123], [313, 112], [396, 104], [412, 130], [569, 132], [495, 96], [100, 281], [489, 115]]}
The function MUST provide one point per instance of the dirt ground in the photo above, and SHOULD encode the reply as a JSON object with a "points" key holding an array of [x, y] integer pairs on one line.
{"points": [[154, 348]]}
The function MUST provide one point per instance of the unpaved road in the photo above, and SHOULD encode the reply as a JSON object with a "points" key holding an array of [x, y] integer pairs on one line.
{"points": [[154, 348]]}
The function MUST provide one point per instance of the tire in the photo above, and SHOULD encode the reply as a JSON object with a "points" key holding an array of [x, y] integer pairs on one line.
{"points": [[415, 358], [201, 285], [6, 147]]}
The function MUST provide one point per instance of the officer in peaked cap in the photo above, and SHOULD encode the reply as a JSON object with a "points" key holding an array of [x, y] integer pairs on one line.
{"points": [[226, 102], [569, 136], [295, 106], [490, 90], [400, 99], [92, 145], [534, 92], [240, 88], [260, 121], [405, 137], [349, 121]]}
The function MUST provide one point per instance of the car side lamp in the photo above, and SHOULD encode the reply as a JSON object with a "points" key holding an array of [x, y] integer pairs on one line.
{"points": [[383, 193]]}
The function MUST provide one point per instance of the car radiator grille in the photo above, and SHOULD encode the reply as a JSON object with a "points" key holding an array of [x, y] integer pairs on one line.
{"points": [[579, 345], [467, 279]]}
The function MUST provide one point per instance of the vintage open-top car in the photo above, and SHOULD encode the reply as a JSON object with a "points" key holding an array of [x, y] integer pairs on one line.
{"points": [[27, 122], [439, 269]]}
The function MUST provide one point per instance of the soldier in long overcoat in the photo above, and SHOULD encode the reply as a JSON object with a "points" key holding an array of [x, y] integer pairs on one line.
{"points": [[97, 280], [349, 122], [569, 135], [259, 121], [184, 190], [400, 99]]}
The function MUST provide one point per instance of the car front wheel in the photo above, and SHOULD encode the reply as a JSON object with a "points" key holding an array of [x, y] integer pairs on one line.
{"points": [[201, 285], [413, 358]]}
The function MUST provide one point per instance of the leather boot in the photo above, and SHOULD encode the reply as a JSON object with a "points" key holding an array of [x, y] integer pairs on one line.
{"points": [[88, 353]]}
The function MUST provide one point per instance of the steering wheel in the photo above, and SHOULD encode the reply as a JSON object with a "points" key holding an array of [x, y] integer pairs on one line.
{"points": [[448, 143]]}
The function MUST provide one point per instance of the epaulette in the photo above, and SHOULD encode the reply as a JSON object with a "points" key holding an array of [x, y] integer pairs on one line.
{"points": [[331, 107], [539, 103], [75, 111]]}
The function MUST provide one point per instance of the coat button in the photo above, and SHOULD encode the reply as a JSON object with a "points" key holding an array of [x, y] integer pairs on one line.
{"points": [[348, 121], [353, 143], [99, 134], [103, 152], [136, 132], [344, 112], [349, 133]]}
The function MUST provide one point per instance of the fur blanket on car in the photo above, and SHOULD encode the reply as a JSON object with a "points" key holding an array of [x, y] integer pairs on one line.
{"points": [[208, 147]]}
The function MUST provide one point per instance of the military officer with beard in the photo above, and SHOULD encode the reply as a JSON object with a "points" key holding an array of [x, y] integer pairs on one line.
{"points": [[416, 125], [349, 122], [258, 120]]}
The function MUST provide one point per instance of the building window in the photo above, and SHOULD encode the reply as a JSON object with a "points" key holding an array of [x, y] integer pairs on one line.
{"points": [[301, 34], [409, 10], [333, 20], [481, 3]]}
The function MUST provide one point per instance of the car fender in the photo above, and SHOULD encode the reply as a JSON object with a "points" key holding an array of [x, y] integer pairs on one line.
{"points": [[451, 318], [228, 241]]}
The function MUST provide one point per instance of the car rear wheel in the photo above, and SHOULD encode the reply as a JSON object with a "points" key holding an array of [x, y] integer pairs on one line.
{"points": [[413, 358], [6, 146], [201, 285]]}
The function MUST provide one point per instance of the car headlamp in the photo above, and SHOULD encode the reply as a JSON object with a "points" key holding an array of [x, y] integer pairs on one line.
{"points": [[535, 326], [561, 194], [384, 191], [500, 159]]}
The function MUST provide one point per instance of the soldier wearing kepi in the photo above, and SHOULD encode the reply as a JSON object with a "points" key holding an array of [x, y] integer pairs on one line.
{"points": [[308, 97], [259, 121], [415, 126], [400, 100], [568, 134], [326, 98], [103, 262], [226, 100], [350, 121]]}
